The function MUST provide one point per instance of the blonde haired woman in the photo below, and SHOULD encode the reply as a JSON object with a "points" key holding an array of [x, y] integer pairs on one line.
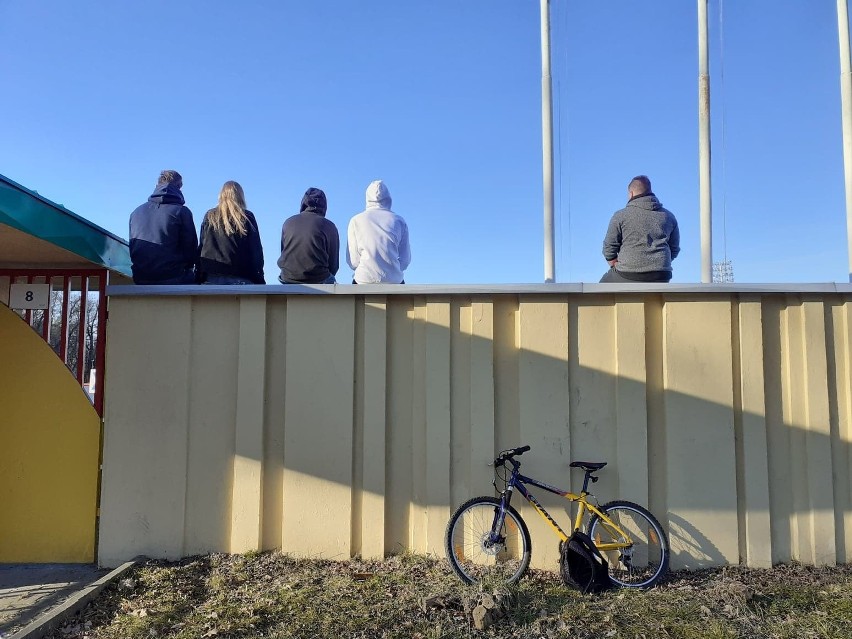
{"points": [[230, 250]]}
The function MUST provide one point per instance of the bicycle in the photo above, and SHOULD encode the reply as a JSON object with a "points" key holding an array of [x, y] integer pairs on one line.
{"points": [[488, 541]]}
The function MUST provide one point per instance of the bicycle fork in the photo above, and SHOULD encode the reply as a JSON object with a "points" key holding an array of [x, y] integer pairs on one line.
{"points": [[495, 538]]}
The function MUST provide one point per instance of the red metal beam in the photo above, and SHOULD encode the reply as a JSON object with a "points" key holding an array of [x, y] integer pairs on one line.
{"points": [[28, 314], [63, 338], [100, 348], [81, 326], [45, 314]]}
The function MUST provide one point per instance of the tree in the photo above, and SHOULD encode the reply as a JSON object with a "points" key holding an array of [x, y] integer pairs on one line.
{"points": [[90, 328]]}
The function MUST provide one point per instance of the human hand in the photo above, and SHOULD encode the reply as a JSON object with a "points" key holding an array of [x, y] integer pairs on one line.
{"points": [[612, 262]]}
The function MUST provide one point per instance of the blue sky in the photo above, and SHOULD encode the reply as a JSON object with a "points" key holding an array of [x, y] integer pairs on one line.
{"points": [[442, 100]]}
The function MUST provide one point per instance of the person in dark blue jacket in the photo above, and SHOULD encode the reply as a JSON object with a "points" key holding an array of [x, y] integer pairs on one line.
{"points": [[163, 241], [310, 245], [230, 250]]}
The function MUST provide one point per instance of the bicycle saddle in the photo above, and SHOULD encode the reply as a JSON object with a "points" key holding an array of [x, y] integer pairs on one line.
{"points": [[587, 466]]}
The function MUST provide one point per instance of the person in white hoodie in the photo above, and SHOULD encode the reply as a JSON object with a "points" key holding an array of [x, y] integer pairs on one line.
{"points": [[377, 248]]}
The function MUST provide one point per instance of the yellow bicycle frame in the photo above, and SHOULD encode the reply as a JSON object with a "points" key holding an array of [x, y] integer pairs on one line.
{"points": [[582, 506]]}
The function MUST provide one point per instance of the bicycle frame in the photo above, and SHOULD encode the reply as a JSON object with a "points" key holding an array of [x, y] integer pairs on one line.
{"points": [[519, 481]]}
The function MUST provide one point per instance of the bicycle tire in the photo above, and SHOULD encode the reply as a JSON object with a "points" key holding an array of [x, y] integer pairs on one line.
{"points": [[647, 560], [472, 558]]}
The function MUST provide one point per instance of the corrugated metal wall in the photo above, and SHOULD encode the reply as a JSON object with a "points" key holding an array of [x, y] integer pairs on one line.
{"points": [[336, 425]]}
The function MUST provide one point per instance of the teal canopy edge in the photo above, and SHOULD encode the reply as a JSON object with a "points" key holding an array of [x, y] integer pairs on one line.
{"points": [[27, 211]]}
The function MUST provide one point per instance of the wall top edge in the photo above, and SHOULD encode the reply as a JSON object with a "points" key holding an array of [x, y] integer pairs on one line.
{"points": [[468, 289]]}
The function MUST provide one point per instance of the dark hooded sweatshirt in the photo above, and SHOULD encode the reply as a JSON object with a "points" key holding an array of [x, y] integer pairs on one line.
{"points": [[232, 255], [163, 241], [310, 245]]}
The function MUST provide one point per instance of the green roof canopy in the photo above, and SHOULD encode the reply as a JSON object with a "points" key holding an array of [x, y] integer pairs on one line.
{"points": [[36, 216]]}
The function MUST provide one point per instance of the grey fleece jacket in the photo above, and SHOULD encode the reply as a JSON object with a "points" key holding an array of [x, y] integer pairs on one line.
{"points": [[643, 236]]}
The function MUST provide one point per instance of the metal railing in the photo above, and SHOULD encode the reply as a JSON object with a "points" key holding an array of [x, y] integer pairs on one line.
{"points": [[74, 322]]}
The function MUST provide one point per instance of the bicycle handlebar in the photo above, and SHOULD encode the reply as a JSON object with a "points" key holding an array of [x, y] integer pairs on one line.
{"points": [[508, 454]]}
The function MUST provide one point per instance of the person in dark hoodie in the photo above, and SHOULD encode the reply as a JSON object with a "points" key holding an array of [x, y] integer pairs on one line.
{"points": [[642, 238], [310, 245], [230, 249], [163, 241]]}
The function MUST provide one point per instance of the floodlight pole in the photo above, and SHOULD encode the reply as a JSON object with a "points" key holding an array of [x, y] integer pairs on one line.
{"points": [[846, 108], [547, 144], [704, 193]]}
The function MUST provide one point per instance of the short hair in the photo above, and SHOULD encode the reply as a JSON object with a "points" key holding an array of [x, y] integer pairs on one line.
{"points": [[170, 177], [640, 185]]}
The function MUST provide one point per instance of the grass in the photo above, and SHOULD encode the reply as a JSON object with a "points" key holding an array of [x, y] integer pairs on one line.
{"points": [[273, 595]]}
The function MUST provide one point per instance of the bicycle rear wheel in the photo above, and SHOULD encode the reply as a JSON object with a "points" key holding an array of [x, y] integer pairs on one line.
{"points": [[471, 551], [646, 560]]}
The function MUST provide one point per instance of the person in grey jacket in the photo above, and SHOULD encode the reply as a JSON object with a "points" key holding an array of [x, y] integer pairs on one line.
{"points": [[642, 238]]}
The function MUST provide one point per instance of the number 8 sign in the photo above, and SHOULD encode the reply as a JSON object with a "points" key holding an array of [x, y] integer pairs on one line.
{"points": [[29, 296]]}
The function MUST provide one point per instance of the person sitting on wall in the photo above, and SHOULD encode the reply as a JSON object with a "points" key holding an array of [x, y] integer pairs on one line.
{"points": [[310, 244], [230, 249], [163, 241], [642, 238], [377, 246]]}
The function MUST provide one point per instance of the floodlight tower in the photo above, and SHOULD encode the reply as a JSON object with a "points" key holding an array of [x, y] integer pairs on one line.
{"points": [[547, 144], [723, 272], [846, 108], [704, 197]]}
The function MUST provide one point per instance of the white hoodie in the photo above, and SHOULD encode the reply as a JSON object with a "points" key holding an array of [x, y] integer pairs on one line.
{"points": [[377, 248]]}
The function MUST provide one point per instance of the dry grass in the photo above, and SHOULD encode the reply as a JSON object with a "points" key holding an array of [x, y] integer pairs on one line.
{"points": [[273, 595]]}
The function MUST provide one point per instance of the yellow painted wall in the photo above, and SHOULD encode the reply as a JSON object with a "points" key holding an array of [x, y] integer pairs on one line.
{"points": [[346, 424], [49, 444]]}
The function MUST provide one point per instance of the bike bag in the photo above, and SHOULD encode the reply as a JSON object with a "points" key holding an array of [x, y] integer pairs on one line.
{"points": [[582, 566]]}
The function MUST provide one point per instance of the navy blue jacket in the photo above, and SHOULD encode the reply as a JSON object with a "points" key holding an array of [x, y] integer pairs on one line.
{"points": [[163, 241], [233, 255], [310, 245]]}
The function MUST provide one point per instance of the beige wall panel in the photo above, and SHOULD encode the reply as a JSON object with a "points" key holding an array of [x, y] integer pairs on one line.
{"points": [[592, 390], [460, 401], [418, 520], [247, 505], [211, 423], [776, 356], [842, 425], [631, 417], [360, 431], [273, 448], [372, 451], [819, 515], [143, 495], [318, 426], [357, 521], [795, 419], [807, 421], [507, 432], [438, 375], [482, 383], [543, 391], [752, 453], [655, 397], [701, 470], [400, 430]]}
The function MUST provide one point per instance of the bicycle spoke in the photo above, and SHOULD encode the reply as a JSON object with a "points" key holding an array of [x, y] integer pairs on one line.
{"points": [[475, 555]]}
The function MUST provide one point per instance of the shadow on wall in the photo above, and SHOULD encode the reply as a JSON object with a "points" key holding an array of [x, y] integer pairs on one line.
{"points": [[342, 425]]}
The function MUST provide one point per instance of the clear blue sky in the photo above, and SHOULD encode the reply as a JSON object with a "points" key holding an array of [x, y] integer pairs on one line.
{"points": [[442, 100]]}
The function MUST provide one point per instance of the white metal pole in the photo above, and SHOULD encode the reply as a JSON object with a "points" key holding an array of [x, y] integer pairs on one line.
{"points": [[846, 106], [547, 144], [705, 202]]}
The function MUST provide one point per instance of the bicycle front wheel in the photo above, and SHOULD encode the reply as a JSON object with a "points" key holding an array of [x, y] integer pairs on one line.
{"points": [[645, 559], [476, 555]]}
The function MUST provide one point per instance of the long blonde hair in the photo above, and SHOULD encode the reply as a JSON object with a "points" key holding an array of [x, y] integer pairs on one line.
{"points": [[230, 214]]}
